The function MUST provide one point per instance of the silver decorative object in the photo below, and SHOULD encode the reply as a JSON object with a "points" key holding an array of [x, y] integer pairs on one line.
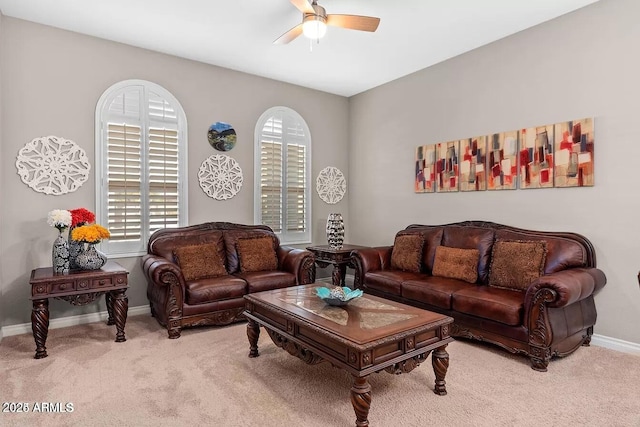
{"points": [[220, 177], [60, 255], [75, 246], [331, 185], [91, 258], [53, 165], [335, 230]]}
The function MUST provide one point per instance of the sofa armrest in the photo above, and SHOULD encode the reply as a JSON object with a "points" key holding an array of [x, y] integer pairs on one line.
{"points": [[162, 272], [370, 259], [299, 262], [567, 286]]}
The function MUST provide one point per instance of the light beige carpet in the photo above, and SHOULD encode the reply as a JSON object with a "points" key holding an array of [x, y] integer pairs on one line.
{"points": [[206, 379]]}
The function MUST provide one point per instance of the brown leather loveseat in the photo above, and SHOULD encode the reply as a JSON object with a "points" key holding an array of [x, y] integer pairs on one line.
{"points": [[530, 292], [198, 275]]}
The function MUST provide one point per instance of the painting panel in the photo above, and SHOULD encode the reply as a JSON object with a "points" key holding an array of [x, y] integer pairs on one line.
{"points": [[574, 142], [447, 166], [536, 157], [473, 158], [419, 182], [429, 168], [502, 162], [222, 136]]}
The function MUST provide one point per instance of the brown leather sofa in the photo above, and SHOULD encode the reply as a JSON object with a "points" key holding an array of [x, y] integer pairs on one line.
{"points": [[533, 292], [198, 275]]}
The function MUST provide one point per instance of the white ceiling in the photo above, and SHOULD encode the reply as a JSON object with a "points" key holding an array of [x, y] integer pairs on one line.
{"points": [[238, 34]]}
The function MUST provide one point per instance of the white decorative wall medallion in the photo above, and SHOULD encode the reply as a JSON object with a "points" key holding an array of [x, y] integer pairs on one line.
{"points": [[53, 165], [220, 177], [331, 185]]}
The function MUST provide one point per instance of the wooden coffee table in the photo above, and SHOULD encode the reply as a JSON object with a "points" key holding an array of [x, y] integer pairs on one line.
{"points": [[368, 335]]}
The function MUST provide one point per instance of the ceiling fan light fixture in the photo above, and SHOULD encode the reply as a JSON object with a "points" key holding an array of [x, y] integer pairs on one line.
{"points": [[314, 26]]}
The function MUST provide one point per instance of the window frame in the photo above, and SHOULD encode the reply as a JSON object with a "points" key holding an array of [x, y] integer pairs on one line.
{"points": [[102, 115], [287, 238]]}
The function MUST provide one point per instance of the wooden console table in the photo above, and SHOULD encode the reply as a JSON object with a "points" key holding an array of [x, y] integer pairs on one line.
{"points": [[78, 288], [340, 258]]}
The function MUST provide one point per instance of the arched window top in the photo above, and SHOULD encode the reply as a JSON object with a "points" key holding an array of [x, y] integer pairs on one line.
{"points": [[126, 99]]}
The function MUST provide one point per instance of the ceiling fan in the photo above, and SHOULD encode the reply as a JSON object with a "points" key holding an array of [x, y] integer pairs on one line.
{"points": [[315, 20]]}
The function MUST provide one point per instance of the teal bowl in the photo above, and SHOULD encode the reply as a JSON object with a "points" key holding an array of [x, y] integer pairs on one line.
{"points": [[336, 299]]}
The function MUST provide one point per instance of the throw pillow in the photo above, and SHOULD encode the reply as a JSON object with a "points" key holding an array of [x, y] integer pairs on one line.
{"points": [[516, 263], [406, 254], [257, 254], [200, 261], [456, 263]]}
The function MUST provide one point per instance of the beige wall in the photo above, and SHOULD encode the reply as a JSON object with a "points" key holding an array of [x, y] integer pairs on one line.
{"points": [[51, 81], [585, 64]]}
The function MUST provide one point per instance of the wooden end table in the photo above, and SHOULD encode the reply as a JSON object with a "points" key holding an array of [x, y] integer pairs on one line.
{"points": [[369, 335], [340, 258], [78, 288]]}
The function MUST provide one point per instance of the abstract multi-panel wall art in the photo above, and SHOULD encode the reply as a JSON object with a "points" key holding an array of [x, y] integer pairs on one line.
{"points": [[557, 155], [447, 167], [536, 157], [574, 153], [473, 158], [503, 163]]}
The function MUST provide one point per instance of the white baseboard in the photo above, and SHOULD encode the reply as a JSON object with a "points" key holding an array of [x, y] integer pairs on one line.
{"points": [[615, 344], [25, 328]]}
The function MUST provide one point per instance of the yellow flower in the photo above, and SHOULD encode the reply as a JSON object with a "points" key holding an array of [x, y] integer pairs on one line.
{"points": [[91, 233]]}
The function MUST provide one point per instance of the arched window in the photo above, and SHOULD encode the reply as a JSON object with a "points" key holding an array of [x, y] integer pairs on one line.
{"points": [[141, 168], [282, 170]]}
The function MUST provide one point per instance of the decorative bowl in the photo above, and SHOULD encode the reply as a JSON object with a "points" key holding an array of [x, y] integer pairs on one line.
{"points": [[338, 296]]}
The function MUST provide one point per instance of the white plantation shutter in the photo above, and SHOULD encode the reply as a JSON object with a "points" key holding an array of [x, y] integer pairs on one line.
{"points": [[124, 170], [296, 188], [270, 184], [141, 156], [163, 179], [283, 163]]}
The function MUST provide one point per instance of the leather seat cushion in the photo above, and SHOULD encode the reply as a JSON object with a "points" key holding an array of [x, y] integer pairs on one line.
{"points": [[214, 289], [501, 305], [258, 281], [390, 280], [436, 291]]}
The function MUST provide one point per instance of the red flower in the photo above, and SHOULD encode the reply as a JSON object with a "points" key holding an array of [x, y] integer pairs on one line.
{"points": [[81, 216]]}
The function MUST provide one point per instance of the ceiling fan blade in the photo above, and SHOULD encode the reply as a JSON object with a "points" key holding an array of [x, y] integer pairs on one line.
{"points": [[303, 6], [289, 35], [354, 22]]}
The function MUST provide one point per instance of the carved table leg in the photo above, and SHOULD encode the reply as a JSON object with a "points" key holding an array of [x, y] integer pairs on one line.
{"points": [[40, 326], [336, 276], [440, 362], [361, 400], [253, 333], [109, 300], [120, 306], [343, 274]]}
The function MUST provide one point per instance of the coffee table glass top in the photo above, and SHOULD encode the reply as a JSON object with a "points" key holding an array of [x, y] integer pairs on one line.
{"points": [[372, 314], [364, 319]]}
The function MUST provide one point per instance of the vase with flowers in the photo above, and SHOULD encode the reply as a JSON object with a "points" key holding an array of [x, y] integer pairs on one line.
{"points": [[79, 217], [89, 257], [60, 219]]}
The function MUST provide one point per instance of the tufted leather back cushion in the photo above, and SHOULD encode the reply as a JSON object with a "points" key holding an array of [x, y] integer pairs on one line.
{"points": [[562, 253], [432, 239], [165, 246], [231, 240], [472, 238]]}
